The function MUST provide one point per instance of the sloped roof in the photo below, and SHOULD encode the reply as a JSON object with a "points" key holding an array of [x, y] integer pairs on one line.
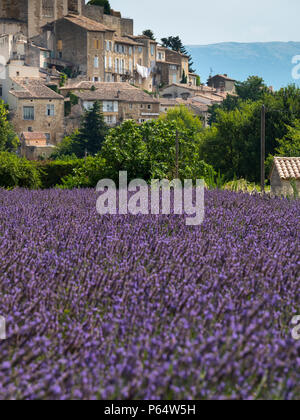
{"points": [[287, 167], [34, 136], [87, 85], [222, 76], [88, 24], [33, 88], [116, 92]]}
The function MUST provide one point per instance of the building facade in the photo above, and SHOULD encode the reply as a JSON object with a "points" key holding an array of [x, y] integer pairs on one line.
{"points": [[36, 108]]}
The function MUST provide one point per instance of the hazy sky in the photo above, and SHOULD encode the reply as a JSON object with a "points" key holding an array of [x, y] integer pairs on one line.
{"points": [[206, 22]]}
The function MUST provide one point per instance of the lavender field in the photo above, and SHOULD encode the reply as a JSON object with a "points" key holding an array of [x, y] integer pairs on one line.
{"points": [[145, 307]]}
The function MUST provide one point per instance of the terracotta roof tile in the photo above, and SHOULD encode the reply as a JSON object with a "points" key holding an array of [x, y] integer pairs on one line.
{"points": [[33, 89], [34, 136], [88, 24], [288, 167], [116, 92]]}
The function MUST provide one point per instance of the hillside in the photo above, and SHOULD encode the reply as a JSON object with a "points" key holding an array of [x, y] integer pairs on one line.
{"points": [[272, 61]]}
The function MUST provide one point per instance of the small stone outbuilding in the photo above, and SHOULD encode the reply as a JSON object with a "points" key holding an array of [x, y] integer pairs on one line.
{"points": [[35, 146], [285, 172]]}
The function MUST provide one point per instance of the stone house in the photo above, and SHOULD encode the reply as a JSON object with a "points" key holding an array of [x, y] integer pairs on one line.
{"points": [[170, 66], [36, 108], [178, 90], [285, 171], [28, 16], [120, 102], [222, 83], [35, 146]]}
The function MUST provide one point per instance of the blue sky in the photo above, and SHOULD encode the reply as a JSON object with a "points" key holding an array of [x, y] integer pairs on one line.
{"points": [[205, 22]]}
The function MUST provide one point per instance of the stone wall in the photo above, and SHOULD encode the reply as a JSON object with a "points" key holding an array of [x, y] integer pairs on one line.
{"points": [[280, 187], [74, 44], [42, 123]]}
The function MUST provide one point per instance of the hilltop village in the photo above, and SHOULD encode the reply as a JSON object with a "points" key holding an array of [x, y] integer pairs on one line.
{"points": [[132, 76]]}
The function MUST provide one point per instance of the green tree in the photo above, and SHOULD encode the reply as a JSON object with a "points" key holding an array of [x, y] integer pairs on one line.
{"points": [[232, 145], [125, 150], [102, 3], [8, 138], [198, 81], [67, 148], [289, 145], [18, 172], [252, 89], [184, 119], [149, 34], [184, 79], [148, 151], [92, 132], [174, 43]]}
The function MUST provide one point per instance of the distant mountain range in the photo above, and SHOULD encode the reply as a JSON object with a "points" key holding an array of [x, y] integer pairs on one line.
{"points": [[271, 60]]}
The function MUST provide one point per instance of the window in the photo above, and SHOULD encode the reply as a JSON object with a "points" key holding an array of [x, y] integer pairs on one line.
{"points": [[110, 62], [152, 49], [48, 137], [1, 90], [149, 107], [97, 44], [116, 65], [130, 65], [59, 45], [50, 112], [28, 113], [130, 106], [96, 62], [108, 106], [110, 119], [130, 50], [105, 62], [140, 50], [96, 79], [47, 9]]}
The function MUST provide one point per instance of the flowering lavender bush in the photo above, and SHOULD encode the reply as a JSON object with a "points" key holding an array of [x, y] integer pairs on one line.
{"points": [[124, 307]]}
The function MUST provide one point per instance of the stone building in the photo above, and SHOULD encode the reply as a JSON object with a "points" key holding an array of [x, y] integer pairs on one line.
{"points": [[120, 102], [184, 91], [28, 16], [97, 52], [222, 83], [285, 172], [35, 146], [36, 108]]}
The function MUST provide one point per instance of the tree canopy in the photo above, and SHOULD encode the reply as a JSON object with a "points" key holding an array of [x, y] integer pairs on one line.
{"points": [[8, 138], [174, 43], [103, 3], [232, 144], [149, 34]]}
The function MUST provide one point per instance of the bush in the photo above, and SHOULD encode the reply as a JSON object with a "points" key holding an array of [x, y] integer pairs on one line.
{"points": [[87, 175], [18, 172], [52, 172]]}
